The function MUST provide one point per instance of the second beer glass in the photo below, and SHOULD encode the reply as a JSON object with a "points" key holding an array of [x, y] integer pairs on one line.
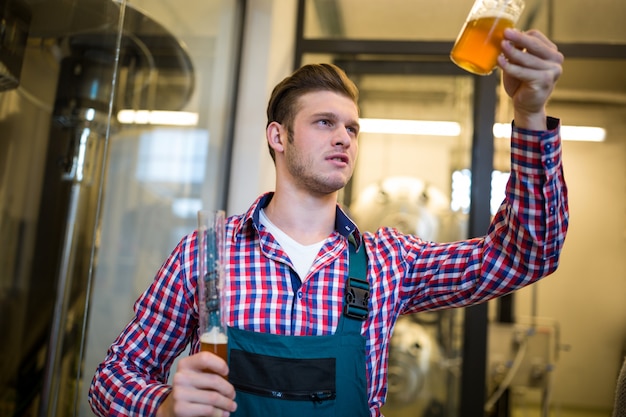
{"points": [[478, 45], [211, 276]]}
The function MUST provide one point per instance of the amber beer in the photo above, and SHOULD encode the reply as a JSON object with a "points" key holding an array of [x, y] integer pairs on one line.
{"points": [[478, 46], [215, 342]]}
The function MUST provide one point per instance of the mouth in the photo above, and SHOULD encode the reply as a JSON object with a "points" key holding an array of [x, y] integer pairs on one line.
{"points": [[339, 158]]}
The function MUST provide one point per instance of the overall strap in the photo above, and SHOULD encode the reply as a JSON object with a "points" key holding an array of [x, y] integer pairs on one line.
{"points": [[357, 294]]}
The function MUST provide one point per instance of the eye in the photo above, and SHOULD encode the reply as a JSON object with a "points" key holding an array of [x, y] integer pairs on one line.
{"points": [[325, 122], [353, 130]]}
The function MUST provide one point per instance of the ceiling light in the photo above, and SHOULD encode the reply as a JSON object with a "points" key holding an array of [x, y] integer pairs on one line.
{"points": [[158, 117], [410, 127], [585, 133], [579, 133]]}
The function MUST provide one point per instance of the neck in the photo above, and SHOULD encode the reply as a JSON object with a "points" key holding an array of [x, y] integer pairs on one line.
{"points": [[306, 219]]}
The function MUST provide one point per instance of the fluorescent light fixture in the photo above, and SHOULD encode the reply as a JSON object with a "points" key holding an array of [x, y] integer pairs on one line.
{"points": [[585, 133], [579, 133], [90, 114], [410, 127], [158, 117]]}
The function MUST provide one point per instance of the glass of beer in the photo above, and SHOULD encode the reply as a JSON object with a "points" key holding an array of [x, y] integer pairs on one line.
{"points": [[478, 45], [211, 280]]}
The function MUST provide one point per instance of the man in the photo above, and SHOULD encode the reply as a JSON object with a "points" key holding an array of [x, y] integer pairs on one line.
{"points": [[295, 349]]}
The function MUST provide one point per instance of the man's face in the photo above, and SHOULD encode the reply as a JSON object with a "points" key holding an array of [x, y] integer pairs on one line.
{"points": [[321, 154]]}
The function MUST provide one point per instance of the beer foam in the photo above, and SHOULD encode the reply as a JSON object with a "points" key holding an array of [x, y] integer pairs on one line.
{"points": [[214, 336], [494, 15]]}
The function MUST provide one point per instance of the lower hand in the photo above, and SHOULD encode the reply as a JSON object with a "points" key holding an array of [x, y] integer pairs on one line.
{"points": [[200, 389]]}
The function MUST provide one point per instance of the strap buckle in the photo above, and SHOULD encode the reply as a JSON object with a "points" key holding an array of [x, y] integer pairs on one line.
{"points": [[357, 297]]}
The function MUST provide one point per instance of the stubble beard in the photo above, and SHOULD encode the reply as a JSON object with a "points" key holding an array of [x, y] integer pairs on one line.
{"points": [[301, 170]]}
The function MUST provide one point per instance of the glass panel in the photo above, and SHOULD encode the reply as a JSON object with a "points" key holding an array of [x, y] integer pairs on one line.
{"points": [[411, 189], [160, 175], [548, 314], [66, 69]]}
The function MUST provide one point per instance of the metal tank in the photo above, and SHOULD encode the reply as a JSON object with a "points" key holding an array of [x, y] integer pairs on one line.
{"points": [[66, 68]]}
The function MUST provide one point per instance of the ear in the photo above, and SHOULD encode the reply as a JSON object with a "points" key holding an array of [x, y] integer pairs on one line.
{"points": [[275, 135]]}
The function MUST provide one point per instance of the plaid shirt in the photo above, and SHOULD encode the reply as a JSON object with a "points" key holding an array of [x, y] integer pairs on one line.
{"points": [[406, 275]]}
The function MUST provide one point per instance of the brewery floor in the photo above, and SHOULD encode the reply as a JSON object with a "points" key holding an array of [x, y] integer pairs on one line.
{"points": [[558, 412], [519, 411]]}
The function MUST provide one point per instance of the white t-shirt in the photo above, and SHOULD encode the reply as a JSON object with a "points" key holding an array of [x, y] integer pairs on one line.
{"points": [[302, 256]]}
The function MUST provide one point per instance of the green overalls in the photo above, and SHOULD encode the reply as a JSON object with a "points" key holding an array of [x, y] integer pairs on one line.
{"points": [[305, 376]]}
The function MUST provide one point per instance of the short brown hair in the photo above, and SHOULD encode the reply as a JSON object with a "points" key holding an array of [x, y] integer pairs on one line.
{"points": [[282, 106]]}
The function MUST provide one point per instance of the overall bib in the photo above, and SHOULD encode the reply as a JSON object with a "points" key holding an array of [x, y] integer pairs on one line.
{"points": [[304, 376]]}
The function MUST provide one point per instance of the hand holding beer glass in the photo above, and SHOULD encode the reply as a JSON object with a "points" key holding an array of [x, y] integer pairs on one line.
{"points": [[211, 275], [478, 45]]}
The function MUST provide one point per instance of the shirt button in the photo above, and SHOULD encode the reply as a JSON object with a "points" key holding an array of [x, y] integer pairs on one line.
{"points": [[300, 294], [548, 147], [552, 210], [549, 162]]}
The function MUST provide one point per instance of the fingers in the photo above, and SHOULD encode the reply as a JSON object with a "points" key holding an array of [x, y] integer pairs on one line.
{"points": [[205, 362], [533, 42], [199, 387], [531, 50], [530, 57], [204, 371], [182, 401], [195, 410], [531, 65]]}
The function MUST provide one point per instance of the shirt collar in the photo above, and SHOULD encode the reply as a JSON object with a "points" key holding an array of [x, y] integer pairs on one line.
{"points": [[343, 224]]}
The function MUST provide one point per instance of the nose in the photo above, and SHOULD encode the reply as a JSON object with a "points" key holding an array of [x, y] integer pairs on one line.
{"points": [[342, 137]]}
